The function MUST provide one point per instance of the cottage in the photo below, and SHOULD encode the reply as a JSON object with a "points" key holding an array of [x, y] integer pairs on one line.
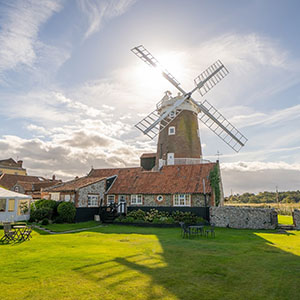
{"points": [[83, 192], [13, 206], [170, 186]]}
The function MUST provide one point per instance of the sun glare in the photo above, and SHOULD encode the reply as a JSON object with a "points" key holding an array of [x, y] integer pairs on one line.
{"points": [[150, 78]]}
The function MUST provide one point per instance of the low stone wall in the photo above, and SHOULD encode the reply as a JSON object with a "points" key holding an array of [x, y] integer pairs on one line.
{"points": [[296, 217], [243, 217]]}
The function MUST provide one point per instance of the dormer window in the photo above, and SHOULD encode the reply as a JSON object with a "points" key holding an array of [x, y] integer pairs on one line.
{"points": [[171, 130]]}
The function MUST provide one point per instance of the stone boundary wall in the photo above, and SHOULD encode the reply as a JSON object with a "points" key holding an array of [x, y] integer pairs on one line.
{"points": [[243, 217], [296, 218]]}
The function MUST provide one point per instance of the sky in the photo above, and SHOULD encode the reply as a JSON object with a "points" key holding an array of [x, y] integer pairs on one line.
{"points": [[71, 90]]}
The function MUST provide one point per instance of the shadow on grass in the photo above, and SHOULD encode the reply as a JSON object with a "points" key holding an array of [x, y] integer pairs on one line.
{"points": [[237, 264]]}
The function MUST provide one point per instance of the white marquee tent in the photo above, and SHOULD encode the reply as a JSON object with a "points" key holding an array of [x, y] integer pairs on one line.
{"points": [[14, 206]]}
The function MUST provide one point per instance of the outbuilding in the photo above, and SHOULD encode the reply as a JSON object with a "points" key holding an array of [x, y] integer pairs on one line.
{"points": [[14, 206]]}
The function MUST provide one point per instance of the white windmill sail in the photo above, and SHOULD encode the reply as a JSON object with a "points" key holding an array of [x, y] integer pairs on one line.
{"points": [[152, 124]]}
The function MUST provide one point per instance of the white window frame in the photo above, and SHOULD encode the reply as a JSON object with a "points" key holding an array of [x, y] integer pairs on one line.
{"points": [[110, 199], [17, 189], [67, 198], [182, 200], [171, 130], [160, 198], [55, 196], [93, 200], [136, 199]]}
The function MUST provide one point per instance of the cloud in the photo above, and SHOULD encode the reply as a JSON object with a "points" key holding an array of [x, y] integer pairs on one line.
{"points": [[20, 23], [99, 12], [256, 176]]}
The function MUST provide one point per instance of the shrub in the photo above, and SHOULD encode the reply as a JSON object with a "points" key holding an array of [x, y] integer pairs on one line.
{"points": [[129, 220], [137, 214], [45, 221], [66, 212], [40, 214], [43, 203], [186, 217]]}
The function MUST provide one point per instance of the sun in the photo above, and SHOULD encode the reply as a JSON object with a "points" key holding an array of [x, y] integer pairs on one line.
{"points": [[150, 78]]}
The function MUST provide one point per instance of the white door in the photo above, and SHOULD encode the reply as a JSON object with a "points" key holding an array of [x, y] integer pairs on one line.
{"points": [[170, 159], [122, 204]]}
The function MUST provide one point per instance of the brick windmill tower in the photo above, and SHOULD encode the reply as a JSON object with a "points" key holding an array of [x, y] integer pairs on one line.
{"points": [[175, 119]]}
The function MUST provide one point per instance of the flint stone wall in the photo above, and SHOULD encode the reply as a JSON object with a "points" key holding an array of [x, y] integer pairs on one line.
{"points": [[296, 217], [243, 217]]}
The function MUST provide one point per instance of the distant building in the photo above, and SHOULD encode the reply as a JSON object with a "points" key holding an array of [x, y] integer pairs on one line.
{"points": [[10, 166], [29, 185]]}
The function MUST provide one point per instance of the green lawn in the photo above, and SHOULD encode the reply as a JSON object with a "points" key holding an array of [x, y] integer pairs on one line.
{"points": [[286, 220], [125, 262], [67, 227]]}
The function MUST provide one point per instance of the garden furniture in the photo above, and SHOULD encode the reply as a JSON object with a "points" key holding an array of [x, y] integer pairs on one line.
{"points": [[19, 230], [185, 230], [196, 229], [9, 235], [210, 230], [27, 233]]}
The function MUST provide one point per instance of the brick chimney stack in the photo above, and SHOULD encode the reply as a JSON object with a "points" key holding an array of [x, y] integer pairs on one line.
{"points": [[53, 177]]}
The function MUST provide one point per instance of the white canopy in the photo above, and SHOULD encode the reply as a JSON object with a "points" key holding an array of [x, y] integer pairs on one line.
{"points": [[9, 194]]}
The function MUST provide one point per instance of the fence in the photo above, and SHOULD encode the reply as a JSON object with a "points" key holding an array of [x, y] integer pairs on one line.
{"points": [[84, 214]]}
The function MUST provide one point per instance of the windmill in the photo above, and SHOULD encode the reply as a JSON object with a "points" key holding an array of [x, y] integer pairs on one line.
{"points": [[175, 119]]}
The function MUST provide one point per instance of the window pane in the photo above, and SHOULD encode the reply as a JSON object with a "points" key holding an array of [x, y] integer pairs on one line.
{"points": [[11, 205], [2, 204]]}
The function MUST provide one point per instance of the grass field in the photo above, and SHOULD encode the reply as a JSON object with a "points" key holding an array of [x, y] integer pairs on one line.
{"points": [[124, 262], [67, 227], [286, 220]]}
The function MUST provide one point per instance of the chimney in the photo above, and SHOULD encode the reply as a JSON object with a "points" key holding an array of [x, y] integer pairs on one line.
{"points": [[53, 177], [20, 163]]}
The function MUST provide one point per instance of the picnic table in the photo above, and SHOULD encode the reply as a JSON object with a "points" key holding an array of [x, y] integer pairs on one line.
{"points": [[196, 229], [19, 231]]}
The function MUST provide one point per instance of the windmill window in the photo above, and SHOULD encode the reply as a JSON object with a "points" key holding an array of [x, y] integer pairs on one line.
{"points": [[171, 130], [182, 200], [136, 200], [93, 200]]}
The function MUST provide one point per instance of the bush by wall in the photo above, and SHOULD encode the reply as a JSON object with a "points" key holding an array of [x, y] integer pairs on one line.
{"points": [[66, 212], [40, 214], [160, 217]]}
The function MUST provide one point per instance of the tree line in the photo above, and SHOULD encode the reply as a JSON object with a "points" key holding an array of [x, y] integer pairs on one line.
{"points": [[266, 197]]}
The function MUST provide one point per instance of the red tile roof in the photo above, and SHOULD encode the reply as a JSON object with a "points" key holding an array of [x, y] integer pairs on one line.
{"points": [[169, 180], [74, 184], [9, 180]]}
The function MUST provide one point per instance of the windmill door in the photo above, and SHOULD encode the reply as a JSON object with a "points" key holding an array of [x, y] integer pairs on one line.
{"points": [[170, 159]]}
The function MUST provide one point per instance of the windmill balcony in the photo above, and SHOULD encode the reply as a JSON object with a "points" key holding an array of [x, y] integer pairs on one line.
{"points": [[184, 161]]}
